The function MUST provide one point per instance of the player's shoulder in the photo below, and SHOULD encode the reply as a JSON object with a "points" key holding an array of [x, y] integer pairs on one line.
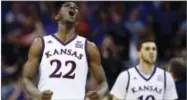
{"points": [[125, 73], [46, 36], [122, 75], [161, 70], [168, 74], [87, 42], [81, 37], [36, 46], [40, 40], [158, 69], [90, 45], [130, 70]]}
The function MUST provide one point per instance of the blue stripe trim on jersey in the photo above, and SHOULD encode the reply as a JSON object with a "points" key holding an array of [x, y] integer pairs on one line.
{"points": [[165, 81], [147, 79], [64, 43], [87, 54], [88, 61], [41, 55], [43, 47], [128, 81]]}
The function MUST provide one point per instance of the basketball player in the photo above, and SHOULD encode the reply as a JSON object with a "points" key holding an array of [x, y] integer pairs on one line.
{"points": [[145, 81], [61, 60]]}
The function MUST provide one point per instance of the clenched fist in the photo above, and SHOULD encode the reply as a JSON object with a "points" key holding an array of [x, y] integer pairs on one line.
{"points": [[93, 95], [46, 95]]}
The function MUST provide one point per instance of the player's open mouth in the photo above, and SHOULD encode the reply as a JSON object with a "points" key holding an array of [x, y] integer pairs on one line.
{"points": [[71, 13]]}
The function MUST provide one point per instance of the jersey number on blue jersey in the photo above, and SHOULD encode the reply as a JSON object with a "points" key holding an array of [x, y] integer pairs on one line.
{"points": [[59, 65]]}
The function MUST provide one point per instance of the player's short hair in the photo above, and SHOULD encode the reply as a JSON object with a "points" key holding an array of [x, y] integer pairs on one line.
{"points": [[144, 40], [178, 67], [57, 17]]}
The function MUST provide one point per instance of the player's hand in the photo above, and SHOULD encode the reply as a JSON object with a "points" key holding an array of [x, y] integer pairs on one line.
{"points": [[93, 95], [47, 95]]}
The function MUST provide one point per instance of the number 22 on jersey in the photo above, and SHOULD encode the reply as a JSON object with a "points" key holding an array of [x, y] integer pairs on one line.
{"points": [[57, 74]]}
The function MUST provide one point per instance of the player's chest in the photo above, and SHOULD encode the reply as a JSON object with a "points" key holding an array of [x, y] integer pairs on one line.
{"points": [[139, 85]]}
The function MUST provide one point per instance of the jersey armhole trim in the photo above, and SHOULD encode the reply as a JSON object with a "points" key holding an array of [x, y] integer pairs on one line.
{"points": [[128, 75], [87, 54], [42, 51], [41, 56], [164, 82], [88, 60]]}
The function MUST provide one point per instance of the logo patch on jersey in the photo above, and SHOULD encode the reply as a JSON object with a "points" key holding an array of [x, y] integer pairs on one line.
{"points": [[78, 44]]}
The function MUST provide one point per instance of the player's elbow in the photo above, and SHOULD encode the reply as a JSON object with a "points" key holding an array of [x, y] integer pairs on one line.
{"points": [[106, 85], [25, 81]]}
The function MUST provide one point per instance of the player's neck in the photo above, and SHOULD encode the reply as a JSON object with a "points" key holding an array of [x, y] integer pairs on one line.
{"points": [[146, 68], [66, 32]]}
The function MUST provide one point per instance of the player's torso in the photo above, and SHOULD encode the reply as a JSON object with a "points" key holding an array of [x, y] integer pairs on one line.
{"points": [[64, 68], [141, 88]]}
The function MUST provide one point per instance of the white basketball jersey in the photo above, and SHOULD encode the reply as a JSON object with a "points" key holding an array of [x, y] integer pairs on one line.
{"points": [[63, 68], [142, 88]]}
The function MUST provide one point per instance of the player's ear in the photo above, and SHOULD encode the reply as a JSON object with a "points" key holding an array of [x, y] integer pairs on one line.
{"points": [[57, 17], [78, 15]]}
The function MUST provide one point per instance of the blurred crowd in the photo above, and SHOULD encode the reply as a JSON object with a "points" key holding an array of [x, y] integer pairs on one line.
{"points": [[115, 27]]}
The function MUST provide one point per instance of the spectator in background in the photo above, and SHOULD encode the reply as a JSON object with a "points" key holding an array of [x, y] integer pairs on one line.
{"points": [[183, 28], [178, 43], [31, 28], [101, 29], [166, 27], [149, 30], [183, 54], [177, 67], [18, 92], [114, 47], [110, 60], [15, 19], [16, 14], [136, 30], [83, 25], [11, 69], [117, 31]]}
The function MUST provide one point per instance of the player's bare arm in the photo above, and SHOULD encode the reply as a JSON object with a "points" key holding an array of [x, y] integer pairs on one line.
{"points": [[97, 70], [30, 70]]}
